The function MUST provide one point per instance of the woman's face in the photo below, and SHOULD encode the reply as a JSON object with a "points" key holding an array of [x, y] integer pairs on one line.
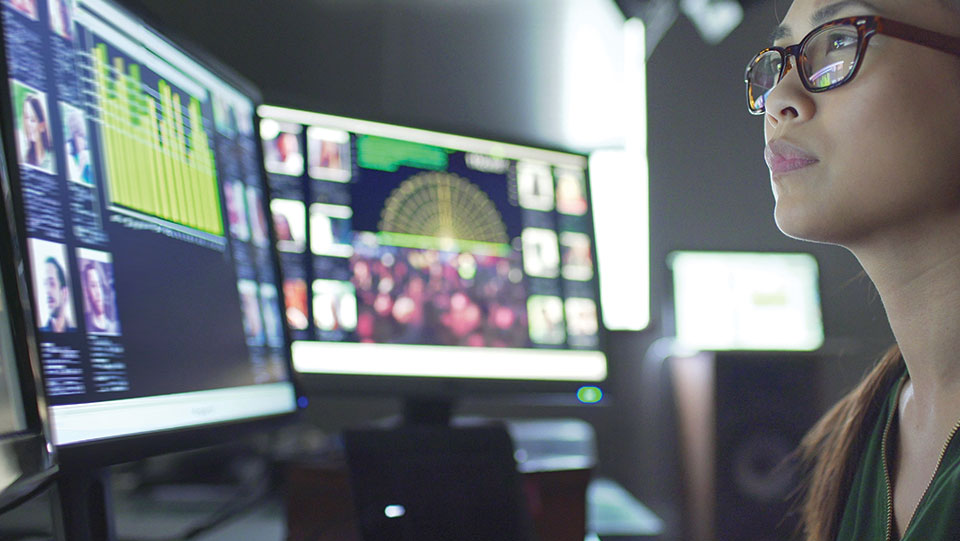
{"points": [[79, 141], [882, 151], [95, 292], [31, 124]]}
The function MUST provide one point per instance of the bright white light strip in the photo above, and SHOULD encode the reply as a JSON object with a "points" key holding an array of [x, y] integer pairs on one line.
{"points": [[591, 89], [457, 142], [618, 190], [635, 80], [87, 422], [619, 187], [448, 361]]}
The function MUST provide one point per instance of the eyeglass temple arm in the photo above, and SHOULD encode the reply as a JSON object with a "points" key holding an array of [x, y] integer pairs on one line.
{"points": [[922, 36]]}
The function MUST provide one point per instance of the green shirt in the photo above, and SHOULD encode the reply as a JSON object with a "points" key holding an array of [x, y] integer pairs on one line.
{"points": [[866, 515]]}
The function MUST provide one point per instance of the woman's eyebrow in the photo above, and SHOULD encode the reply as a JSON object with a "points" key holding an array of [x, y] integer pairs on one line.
{"points": [[779, 33], [823, 15], [830, 11]]}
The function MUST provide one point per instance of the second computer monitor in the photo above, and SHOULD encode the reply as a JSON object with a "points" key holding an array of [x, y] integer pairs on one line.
{"points": [[419, 254]]}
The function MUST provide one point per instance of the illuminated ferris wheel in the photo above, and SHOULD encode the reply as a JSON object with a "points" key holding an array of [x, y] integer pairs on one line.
{"points": [[445, 206]]}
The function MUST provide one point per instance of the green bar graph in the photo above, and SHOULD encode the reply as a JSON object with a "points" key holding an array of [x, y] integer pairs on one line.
{"points": [[159, 161]]}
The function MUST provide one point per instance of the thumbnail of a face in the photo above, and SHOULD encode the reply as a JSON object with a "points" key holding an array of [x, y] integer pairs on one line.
{"points": [[282, 153]]}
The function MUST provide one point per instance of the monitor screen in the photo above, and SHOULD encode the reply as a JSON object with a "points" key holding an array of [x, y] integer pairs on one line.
{"points": [[413, 253], [140, 193], [746, 301]]}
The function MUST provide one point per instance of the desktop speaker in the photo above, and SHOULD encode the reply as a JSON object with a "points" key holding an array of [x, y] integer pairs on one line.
{"points": [[740, 416]]}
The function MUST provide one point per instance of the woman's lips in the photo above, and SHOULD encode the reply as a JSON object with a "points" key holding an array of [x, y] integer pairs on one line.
{"points": [[783, 157]]}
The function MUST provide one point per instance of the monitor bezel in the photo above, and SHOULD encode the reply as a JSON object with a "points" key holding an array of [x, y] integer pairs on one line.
{"points": [[116, 450], [451, 388], [28, 452]]}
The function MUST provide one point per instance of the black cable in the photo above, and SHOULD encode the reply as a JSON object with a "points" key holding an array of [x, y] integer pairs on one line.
{"points": [[9, 534], [230, 511], [41, 485]]}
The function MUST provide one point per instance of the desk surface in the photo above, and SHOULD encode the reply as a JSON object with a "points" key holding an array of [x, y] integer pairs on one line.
{"points": [[612, 513]]}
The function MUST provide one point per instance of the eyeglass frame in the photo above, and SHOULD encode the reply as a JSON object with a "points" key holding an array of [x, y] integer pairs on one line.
{"points": [[867, 26]]}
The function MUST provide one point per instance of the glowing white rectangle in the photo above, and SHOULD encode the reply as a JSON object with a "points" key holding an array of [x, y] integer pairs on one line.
{"points": [[619, 194], [746, 301], [448, 361], [87, 422]]}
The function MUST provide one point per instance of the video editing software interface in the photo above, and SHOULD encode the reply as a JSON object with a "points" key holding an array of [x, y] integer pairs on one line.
{"points": [[413, 253], [152, 312]]}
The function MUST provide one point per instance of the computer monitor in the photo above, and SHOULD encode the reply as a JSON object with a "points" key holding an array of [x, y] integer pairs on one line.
{"points": [[428, 262], [140, 203], [28, 457], [728, 301]]}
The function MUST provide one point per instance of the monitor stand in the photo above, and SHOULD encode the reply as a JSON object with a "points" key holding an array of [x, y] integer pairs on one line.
{"points": [[435, 412], [83, 505], [428, 475], [428, 479]]}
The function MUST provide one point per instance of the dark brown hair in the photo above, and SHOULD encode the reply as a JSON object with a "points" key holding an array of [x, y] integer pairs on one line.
{"points": [[832, 448]]}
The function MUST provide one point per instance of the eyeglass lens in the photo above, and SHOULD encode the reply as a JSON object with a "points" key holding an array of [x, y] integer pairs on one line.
{"points": [[826, 60]]}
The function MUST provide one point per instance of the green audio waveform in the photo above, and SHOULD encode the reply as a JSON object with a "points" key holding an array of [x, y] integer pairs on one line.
{"points": [[154, 163]]}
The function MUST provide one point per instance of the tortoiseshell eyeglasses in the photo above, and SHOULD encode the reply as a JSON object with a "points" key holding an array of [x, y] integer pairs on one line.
{"points": [[830, 55]]}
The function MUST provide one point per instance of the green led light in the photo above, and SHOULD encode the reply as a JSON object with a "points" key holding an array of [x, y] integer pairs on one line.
{"points": [[589, 395]]}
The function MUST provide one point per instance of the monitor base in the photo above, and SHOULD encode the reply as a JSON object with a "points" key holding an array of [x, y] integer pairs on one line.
{"points": [[427, 411]]}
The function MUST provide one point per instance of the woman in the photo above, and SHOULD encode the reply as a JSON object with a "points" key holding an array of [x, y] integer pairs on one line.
{"points": [[864, 152], [36, 131], [98, 301], [78, 156]]}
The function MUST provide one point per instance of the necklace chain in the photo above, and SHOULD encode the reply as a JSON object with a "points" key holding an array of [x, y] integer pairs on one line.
{"points": [[886, 466]]}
